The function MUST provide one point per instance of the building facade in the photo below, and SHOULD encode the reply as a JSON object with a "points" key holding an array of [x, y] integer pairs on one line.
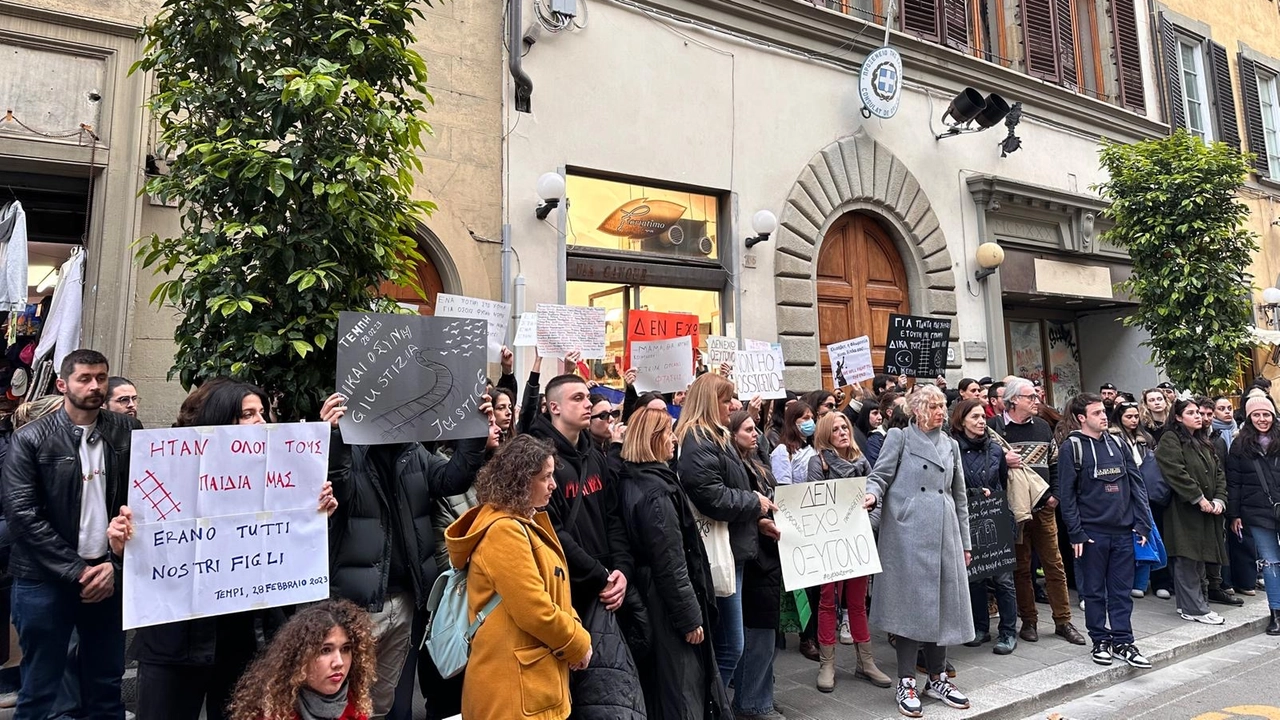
{"points": [[675, 121]]}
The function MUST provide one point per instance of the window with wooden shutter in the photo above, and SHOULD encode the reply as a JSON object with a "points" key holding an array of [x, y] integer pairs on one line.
{"points": [[944, 21], [1224, 98], [1254, 120], [1065, 24], [1128, 54], [955, 22], [1172, 74], [1039, 39]]}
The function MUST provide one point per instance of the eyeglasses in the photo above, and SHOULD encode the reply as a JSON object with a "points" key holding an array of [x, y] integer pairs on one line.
{"points": [[606, 415], [128, 400], [1032, 396]]}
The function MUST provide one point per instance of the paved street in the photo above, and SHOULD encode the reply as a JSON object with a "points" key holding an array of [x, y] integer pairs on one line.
{"points": [[1237, 681]]}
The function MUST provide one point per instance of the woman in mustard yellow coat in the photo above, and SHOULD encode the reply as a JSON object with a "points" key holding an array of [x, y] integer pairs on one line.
{"points": [[522, 654]]}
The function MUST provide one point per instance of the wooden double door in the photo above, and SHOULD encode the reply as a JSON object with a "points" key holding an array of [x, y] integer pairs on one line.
{"points": [[861, 282]]}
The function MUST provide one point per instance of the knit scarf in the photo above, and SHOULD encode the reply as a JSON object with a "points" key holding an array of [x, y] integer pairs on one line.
{"points": [[1228, 430], [314, 706]]}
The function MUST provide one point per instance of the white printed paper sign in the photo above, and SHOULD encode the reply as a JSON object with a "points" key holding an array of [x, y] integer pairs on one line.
{"points": [[825, 532], [497, 314], [225, 520], [662, 365], [527, 330], [720, 350], [565, 328], [758, 372], [851, 361]]}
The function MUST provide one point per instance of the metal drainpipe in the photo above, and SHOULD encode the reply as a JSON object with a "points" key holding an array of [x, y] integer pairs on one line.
{"points": [[524, 86]]}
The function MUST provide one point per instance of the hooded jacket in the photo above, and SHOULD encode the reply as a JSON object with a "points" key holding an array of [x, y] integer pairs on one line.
{"points": [[1107, 496], [520, 657]]}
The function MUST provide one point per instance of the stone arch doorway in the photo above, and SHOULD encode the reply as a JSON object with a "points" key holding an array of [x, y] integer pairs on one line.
{"points": [[854, 174], [430, 275], [860, 282]]}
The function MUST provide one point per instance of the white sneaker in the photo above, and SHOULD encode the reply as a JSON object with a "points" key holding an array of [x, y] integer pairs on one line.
{"points": [[1081, 604], [1209, 618], [1163, 594], [846, 637], [1137, 594]]}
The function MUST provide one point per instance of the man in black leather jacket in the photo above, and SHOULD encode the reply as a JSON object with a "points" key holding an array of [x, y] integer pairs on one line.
{"points": [[65, 477]]}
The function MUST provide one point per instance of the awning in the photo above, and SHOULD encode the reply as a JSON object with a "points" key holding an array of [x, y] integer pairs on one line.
{"points": [[1265, 337]]}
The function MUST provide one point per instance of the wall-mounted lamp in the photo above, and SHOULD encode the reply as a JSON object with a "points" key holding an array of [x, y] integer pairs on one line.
{"points": [[550, 189], [970, 112], [989, 256], [763, 223], [1270, 307]]}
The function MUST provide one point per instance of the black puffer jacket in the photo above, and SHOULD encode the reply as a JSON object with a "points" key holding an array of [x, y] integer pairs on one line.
{"points": [[984, 464], [717, 482], [43, 483], [762, 575], [368, 520], [1249, 496]]}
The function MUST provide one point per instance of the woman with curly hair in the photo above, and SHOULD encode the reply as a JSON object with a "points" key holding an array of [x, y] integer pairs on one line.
{"points": [[522, 654], [320, 666]]}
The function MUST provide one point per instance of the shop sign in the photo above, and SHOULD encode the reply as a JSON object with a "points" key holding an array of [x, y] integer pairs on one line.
{"points": [[642, 218], [880, 83]]}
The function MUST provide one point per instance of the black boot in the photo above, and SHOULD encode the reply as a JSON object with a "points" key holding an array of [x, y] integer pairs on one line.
{"points": [[1273, 628]]}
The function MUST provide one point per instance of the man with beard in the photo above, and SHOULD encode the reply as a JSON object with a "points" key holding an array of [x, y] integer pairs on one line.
{"points": [[65, 477], [122, 396]]}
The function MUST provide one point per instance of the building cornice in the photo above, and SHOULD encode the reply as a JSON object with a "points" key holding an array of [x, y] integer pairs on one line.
{"points": [[78, 22]]}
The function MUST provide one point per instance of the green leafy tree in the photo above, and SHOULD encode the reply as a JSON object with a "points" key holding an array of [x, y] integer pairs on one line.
{"points": [[1176, 211], [294, 126]]}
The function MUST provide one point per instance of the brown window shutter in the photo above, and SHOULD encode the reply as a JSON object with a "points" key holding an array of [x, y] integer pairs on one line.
{"points": [[1224, 98], [1124, 34], [920, 17], [955, 21], [1172, 78], [1065, 21], [1253, 115], [1038, 39]]}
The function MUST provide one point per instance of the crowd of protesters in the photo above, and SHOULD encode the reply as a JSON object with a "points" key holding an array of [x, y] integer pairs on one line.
{"points": [[581, 522]]}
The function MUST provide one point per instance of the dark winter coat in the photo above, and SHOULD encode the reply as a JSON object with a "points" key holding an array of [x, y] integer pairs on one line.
{"points": [[719, 487], [369, 519], [674, 578], [983, 461], [1250, 496], [762, 575], [1193, 472]]}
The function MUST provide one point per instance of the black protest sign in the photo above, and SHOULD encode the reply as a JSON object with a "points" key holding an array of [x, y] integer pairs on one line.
{"points": [[409, 378], [916, 346], [991, 535]]}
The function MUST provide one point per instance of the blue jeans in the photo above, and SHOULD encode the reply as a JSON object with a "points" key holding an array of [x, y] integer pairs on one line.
{"points": [[1006, 599], [1105, 576], [45, 612], [728, 632], [1142, 576], [753, 681], [1267, 543]]}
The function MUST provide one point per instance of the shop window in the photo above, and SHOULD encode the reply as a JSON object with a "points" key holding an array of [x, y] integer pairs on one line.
{"points": [[641, 218], [1046, 352]]}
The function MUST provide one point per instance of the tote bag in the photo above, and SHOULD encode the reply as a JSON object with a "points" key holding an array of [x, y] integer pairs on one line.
{"points": [[715, 538]]}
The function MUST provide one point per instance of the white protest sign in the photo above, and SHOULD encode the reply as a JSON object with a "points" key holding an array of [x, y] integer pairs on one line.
{"points": [[565, 328], [758, 372], [497, 314], [662, 365], [756, 345], [527, 330], [226, 520], [851, 361], [825, 532], [720, 350]]}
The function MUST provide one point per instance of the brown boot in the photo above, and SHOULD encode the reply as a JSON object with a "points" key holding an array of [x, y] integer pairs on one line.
{"points": [[827, 670], [867, 667]]}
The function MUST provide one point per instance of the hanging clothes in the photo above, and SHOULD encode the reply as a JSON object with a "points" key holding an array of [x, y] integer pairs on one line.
{"points": [[62, 328], [13, 258]]}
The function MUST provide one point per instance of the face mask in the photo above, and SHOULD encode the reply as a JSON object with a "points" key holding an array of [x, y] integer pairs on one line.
{"points": [[807, 427]]}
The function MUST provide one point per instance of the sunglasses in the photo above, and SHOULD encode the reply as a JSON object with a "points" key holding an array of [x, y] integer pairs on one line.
{"points": [[607, 415]]}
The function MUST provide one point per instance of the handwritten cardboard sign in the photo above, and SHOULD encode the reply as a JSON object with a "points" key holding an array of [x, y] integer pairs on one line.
{"points": [[225, 521], [851, 361], [527, 330], [916, 346], [409, 378], [991, 535], [662, 365], [826, 533], [720, 350], [646, 325], [497, 314], [565, 328], [758, 373]]}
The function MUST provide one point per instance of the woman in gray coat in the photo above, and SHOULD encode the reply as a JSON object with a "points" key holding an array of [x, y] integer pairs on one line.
{"points": [[922, 595]]}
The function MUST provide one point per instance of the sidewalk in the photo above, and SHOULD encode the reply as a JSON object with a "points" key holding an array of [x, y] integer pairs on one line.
{"points": [[1035, 676]]}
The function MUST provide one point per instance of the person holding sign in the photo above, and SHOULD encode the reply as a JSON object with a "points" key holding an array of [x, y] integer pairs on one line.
{"points": [[65, 576], [679, 676], [718, 484], [923, 594], [838, 456], [184, 666], [319, 666]]}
